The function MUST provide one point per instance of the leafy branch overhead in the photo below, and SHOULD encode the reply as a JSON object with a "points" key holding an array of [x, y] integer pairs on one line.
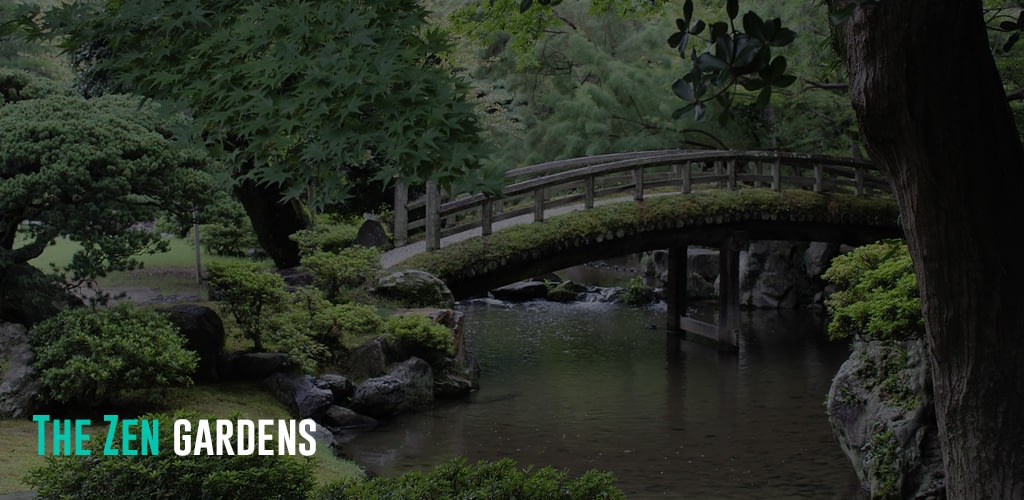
{"points": [[734, 56]]}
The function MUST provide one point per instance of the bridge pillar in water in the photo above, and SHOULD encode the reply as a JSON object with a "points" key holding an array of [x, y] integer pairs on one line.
{"points": [[724, 333]]}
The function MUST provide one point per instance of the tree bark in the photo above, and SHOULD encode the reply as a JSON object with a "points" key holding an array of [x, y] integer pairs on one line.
{"points": [[934, 115], [273, 221]]}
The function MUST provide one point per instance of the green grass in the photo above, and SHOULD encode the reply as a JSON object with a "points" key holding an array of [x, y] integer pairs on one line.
{"points": [[18, 438]]}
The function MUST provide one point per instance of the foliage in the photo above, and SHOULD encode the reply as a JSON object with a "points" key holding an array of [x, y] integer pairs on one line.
{"points": [[289, 93], [329, 234], [90, 171], [638, 293], [94, 357], [733, 57], [349, 268], [888, 371], [878, 296], [884, 468], [251, 295], [458, 480], [224, 228], [414, 332], [310, 327], [167, 475]]}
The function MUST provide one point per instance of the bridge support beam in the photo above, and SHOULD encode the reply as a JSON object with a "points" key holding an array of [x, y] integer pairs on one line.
{"points": [[729, 290], [675, 289]]}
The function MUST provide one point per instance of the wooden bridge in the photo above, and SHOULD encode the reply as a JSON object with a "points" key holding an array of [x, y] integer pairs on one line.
{"points": [[535, 193]]}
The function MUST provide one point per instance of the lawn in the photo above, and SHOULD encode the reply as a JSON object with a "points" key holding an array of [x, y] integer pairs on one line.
{"points": [[19, 438]]}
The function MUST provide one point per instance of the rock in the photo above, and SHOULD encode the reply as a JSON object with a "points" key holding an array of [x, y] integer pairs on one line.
{"points": [[881, 410], [566, 291], [408, 386], [521, 291], [818, 257], [296, 276], [253, 365], [340, 386], [415, 289], [341, 418], [299, 393], [773, 275], [368, 360], [203, 331], [28, 296], [19, 383], [372, 235], [547, 278]]}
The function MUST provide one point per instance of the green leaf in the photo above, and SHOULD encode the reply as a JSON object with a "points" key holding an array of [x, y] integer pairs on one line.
{"points": [[675, 39], [699, 112], [753, 84], [682, 24], [698, 28], [732, 8], [784, 81], [765, 97], [1008, 25], [709, 62], [752, 24], [677, 114], [777, 67], [683, 89], [688, 10], [1011, 41], [525, 6]]}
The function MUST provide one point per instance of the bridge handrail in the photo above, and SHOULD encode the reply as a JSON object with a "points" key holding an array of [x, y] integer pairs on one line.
{"points": [[829, 173]]}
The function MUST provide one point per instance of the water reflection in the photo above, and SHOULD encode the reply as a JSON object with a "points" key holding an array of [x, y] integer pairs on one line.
{"points": [[588, 385]]}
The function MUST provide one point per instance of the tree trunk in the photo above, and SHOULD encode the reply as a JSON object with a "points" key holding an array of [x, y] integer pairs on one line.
{"points": [[933, 114], [273, 221]]}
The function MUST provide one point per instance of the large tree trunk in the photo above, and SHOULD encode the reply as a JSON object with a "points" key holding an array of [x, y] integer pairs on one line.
{"points": [[273, 221], [933, 113]]}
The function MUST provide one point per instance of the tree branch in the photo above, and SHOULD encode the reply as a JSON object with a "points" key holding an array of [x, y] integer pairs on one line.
{"points": [[1016, 95]]}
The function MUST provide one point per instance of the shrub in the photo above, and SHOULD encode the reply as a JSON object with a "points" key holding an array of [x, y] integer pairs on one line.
{"points": [[349, 268], [457, 480], [328, 235], [166, 475], [878, 296], [228, 230], [93, 357], [638, 293], [251, 295], [415, 333]]}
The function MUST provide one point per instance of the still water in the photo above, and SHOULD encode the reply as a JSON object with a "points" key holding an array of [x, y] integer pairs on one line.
{"points": [[594, 385]]}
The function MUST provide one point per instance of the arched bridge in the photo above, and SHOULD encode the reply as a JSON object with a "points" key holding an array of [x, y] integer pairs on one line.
{"points": [[639, 201]]}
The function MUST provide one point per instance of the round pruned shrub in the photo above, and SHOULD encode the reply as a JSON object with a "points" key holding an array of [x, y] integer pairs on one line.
{"points": [[167, 475], [415, 333], [90, 357], [499, 479], [328, 235]]}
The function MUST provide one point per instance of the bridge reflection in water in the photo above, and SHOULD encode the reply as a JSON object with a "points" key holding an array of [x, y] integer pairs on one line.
{"points": [[536, 193]]}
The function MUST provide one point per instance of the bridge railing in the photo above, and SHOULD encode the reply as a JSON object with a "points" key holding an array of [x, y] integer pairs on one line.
{"points": [[539, 188]]}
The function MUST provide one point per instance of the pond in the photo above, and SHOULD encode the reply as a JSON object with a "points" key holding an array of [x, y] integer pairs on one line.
{"points": [[597, 385]]}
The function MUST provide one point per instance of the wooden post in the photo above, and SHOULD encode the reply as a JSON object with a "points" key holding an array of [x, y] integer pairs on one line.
{"points": [[638, 184], [819, 180], [858, 176], [730, 168], [433, 216], [538, 205], [776, 176], [485, 218], [729, 291], [675, 288], [401, 229], [687, 179], [195, 232], [588, 193]]}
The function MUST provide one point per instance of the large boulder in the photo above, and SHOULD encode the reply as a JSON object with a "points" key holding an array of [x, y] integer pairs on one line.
{"points": [[521, 291], [566, 291], [773, 275], [252, 365], [340, 386], [881, 410], [204, 333], [339, 418], [408, 386], [19, 384], [368, 360], [300, 393], [415, 289], [28, 296]]}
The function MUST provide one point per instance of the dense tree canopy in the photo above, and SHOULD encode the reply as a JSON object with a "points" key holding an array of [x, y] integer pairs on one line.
{"points": [[88, 170]]}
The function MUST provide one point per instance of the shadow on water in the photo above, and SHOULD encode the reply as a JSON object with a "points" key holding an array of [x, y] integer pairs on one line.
{"points": [[589, 385]]}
